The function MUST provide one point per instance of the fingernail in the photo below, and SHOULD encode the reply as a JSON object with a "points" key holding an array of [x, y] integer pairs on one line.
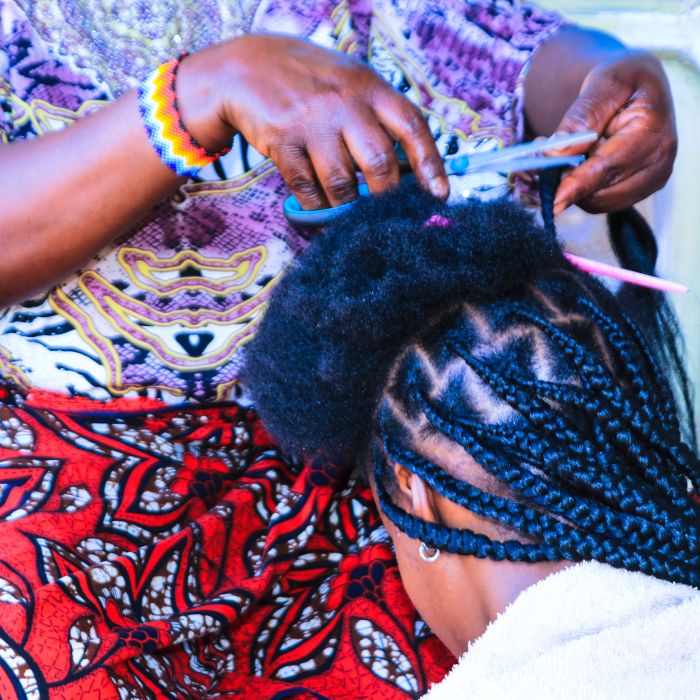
{"points": [[439, 187], [559, 207]]}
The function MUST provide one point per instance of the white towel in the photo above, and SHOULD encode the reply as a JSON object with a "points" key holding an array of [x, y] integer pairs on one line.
{"points": [[589, 631]]}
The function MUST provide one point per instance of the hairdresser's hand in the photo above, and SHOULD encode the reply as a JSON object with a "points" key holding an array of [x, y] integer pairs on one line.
{"points": [[315, 112], [627, 101]]}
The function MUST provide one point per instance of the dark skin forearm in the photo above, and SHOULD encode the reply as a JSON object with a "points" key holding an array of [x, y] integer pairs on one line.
{"points": [[67, 194]]}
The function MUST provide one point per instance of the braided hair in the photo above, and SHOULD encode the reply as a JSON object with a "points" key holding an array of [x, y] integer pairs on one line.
{"points": [[411, 318]]}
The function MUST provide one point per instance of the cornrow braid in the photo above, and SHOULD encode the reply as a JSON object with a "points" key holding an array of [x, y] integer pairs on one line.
{"points": [[588, 400], [635, 247], [657, 409], [578, 472], [586, 514], [455, 540], [559, 542], [667, 414], [625, 524]]}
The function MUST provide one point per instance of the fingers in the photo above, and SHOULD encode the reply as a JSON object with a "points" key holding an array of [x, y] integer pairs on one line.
{"points": [[294, 165], [627, 102], [405, 123], [608, 179], [623, 194], [603, 169], [321, 172], [373, 151], [600, 100], [600, 185], [352, 126], [333, 167], [324, 116]]}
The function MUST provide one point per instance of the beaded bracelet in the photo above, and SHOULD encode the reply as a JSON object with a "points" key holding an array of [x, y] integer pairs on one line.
{"points": [[175, 146]]}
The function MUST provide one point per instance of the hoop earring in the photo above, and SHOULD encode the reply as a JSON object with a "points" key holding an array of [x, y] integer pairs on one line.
{"points": [[429, 554]]}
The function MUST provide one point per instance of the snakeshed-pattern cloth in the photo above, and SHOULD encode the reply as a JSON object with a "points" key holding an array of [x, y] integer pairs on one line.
{"points": [[153, 541]]}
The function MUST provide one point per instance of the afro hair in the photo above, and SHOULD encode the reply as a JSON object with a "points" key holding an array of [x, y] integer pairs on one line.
{"points": [[379, 275]]}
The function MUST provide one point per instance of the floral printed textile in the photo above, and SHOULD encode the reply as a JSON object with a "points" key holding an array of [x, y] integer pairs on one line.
{"points": [[172, 553]]}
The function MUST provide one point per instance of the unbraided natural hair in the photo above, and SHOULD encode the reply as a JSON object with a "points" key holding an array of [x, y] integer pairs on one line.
{"points": [[410, 318]]}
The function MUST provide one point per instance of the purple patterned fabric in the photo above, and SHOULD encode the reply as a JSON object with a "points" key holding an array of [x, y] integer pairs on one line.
{"points": [[166, 310]]}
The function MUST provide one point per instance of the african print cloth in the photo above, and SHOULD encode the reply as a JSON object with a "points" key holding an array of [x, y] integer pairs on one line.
{"points": [[153, 542], [151, 552]]}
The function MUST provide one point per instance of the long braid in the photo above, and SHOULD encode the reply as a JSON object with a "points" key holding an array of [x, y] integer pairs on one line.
{"points": [[625, 228], [598, 378], [559, 542], [601, 491], [657, 406], [588, 400], [584, 513], [458, 541], [567, 467], [583, 510], [667, 557], [617, 420], [635, 246]]}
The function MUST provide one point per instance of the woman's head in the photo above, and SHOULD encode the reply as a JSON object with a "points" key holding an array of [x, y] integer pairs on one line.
{"points": [[506, 408]]}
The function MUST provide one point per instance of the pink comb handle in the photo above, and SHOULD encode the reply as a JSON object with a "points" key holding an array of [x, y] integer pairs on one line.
{"points": [[620, 273]]}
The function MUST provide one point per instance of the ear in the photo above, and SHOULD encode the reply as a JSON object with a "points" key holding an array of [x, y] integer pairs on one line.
{"points": [[419, 496]]}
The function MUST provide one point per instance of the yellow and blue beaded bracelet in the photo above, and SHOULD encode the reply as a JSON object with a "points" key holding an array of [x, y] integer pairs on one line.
{"points": [[175, 146]]}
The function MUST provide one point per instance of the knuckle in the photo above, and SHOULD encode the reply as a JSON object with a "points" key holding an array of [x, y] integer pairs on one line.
{"points": [[596, 171], [303, 183], [380, 164], [413, 122], [616, 80], [431, 165], [579, 117], [340, 185], [284, 153], [612, 175], [666, 175], [669, 145]]}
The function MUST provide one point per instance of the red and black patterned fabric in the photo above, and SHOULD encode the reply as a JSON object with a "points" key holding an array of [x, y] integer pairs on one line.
{"points": [[152, 552]]}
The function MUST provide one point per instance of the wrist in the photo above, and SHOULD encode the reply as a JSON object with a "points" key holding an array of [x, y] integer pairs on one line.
{"points": [[199, 103], [160, 113]]}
